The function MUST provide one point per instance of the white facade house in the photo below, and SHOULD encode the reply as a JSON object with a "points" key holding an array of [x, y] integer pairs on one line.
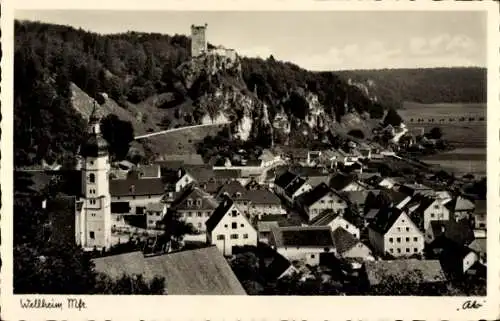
{"points": [[290, 186], [394, 233], [302, 243], [93, 222], [335, 221], [431, 210], [228, 227], [320, 199]]}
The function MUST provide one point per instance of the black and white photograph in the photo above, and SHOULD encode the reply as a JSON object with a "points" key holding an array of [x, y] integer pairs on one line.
{"points": [[262, 153]]}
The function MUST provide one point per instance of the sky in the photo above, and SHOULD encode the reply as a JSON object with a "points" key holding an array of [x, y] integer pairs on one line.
{"points": [[315, 40]]}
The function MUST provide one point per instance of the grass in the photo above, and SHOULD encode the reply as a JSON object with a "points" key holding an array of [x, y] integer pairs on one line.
{"points": [[460, 161], [444, 110], [460, 134], [182, 141]]}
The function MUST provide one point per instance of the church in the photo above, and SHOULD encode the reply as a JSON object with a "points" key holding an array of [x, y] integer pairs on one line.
{"points": [[100, 203]]}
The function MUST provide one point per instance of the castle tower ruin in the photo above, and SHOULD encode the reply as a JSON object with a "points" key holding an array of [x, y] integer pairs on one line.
{"points": [[198, 40]]}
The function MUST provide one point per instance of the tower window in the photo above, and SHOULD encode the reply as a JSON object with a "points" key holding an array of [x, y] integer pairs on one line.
{"points": [[92, 178], [92, 235], [91, 162]]}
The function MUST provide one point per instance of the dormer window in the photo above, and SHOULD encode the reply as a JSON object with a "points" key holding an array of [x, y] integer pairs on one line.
{"points": [[238, 194], [189, 202], [132, 189], [92, 178], [198, 202]]}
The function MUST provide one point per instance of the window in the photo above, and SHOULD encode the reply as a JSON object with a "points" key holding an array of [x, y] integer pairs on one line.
{"points": [[199, 214], [436, 207], [220, 237], [234, 213], [139, 210], [158, 214], [207, 214], [234, 236], [407, 229], [407, 250], [399, 250], [93, 214], [415, 239], [407, 239], [415, 249], [245, 236], [234, 225], [391, 240], [91, 178], [432, 215], [151, 221], [245, 203], [189, 202], [398, 240], [399, 229], [92, 235], [391, 250], [91, 162], [225, 225], [189, 214], [312, 256]]}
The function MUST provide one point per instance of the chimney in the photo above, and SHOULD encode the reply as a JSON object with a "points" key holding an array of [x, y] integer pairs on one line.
{"points": [[179, 173], [132, 188], [443, 229]]}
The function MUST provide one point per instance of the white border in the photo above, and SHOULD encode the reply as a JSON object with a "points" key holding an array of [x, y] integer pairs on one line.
{"points": [[256, 308]]}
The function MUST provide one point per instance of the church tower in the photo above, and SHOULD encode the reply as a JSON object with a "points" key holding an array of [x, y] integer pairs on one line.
{"points": [[95, 219]]}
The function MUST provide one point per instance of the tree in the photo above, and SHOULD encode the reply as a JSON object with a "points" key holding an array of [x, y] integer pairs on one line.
{"points": [[392, 118], [118, 133], [176, 229], [357, 133], [436, 133]]}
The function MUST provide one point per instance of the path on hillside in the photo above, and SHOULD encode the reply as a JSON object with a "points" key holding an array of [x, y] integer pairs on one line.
{"points": [[178, 129]]}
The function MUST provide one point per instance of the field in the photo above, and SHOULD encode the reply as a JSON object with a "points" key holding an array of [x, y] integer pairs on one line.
{"points": [[461, 161], [465, 133]]}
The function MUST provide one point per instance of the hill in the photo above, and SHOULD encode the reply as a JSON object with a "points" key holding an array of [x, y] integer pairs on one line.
{"points": [[151, 81], [392, 87]]}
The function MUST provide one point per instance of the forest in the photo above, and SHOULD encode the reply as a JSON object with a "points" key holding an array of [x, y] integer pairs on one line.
{"points": [[425, 85]]}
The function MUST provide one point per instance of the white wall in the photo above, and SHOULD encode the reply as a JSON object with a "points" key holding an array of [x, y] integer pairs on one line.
{"points": [[409, 235], [308, 254]]}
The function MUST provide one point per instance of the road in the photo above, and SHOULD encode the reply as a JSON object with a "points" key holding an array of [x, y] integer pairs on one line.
{"points": [[177, 129]]}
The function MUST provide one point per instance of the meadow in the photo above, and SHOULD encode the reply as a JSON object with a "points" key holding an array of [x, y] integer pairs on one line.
{"points": [[460, 161], [465, 133]]}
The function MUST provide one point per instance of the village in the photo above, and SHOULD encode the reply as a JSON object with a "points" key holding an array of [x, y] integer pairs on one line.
{"points": [[351, 218], [304, 213]]}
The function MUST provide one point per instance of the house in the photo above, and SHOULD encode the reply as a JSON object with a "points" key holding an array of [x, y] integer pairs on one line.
{"points": [[264, 229], [413, 189], [277, 267], [263, 202], [335, 221], [176, 180], [131, 196], [479, 247], [195, 206], [377, 181], [344, 183], [193, 272], [155, 212], [320, 199], [479, 215], [393, 232], [349, 246], [269, 159], [449, 241], [228, 227], [313, 158], [289, 186], [460, 207], [237, 193], [357, 199], [413, 274], [429, 209], [302, 243], [397, 198]]}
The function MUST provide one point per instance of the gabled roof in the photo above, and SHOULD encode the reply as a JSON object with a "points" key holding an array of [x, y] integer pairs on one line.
{"points": [[136, 187], [478, 246], [262, 197], [202, 271], [227, 173], [324, 218], [201, 173], [294, 186], [340, 181], [358, 197], [460, 203], [266, 226], [316, 194], [195, 193], [424, 203], [219, 213], [344, 241], [411, 271], [385, 219], [284, 179], [396, 196], [232, 189], [457, 232], [303, 236], [277, 267]]}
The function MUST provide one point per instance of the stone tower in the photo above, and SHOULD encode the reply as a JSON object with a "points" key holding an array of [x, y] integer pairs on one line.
{"points": [[94, 224], [198, 40]]}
